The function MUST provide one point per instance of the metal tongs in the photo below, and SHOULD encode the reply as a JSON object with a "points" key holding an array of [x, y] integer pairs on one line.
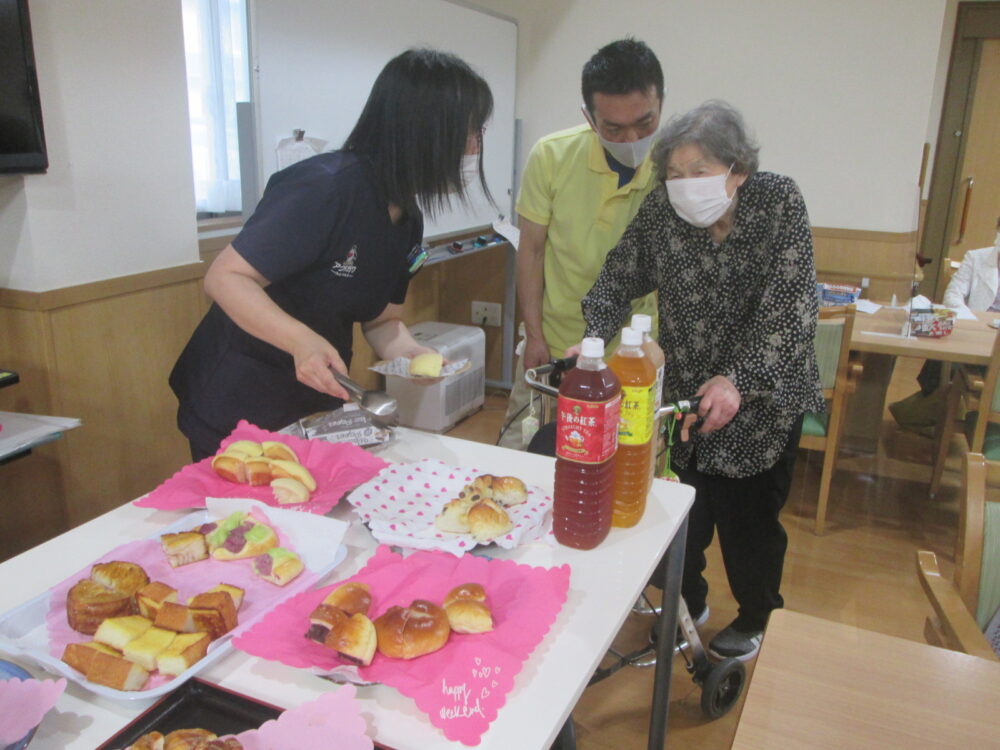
{"points": [[381, 406], [531, 377]]}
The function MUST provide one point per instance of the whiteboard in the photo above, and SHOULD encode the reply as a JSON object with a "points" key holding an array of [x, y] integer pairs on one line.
{"points": [[316, 61]]}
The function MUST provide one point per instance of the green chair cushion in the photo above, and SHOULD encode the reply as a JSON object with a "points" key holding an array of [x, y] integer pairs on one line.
{"points": [[989, 576], [991, 443], [814, 424]]}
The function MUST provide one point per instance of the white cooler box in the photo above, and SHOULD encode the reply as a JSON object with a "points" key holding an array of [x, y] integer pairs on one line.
{"points": [[438, 407]]}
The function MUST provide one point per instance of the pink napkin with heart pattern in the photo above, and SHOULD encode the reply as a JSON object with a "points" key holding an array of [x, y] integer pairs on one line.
{"points": [[462, 686]]}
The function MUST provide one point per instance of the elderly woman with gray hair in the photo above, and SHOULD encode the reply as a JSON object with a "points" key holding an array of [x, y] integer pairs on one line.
{"points": [[728, 249]]}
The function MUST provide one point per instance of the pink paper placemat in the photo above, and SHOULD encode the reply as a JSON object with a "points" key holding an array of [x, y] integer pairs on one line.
{"points": [[337, 468], [23, 703], [189, 580], [461, 687], [333, 720]]}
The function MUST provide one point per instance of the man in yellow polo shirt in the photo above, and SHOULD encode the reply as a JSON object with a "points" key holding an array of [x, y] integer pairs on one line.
{"points": [[580, 189]]}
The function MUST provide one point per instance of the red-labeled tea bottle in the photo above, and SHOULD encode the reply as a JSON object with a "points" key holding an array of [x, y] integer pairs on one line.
{"points": [[586, 441]]}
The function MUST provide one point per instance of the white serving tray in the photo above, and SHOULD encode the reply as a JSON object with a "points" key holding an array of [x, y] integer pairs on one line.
{"points": [[317, 540]]}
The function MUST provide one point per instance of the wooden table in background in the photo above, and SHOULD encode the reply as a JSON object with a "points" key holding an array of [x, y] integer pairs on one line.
{"points": [[877, 337], [820, 684]]}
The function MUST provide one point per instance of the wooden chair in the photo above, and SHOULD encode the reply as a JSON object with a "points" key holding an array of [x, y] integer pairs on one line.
{"points": [[839, 376], [979, 430], [964, 606]]}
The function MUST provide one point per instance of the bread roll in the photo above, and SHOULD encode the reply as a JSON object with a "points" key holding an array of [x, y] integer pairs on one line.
{"points": [[278, 566], [183, 651], [148, 741], [454, 516], [274, 449], [469, 616], [406, 633], [248, 448], [288, 491], [184, 548], [472, 591], [322, 620], [509, 491], [487, 521], [352, 598], [88, 604], [354, 638], [188, 739], [427, 365], [483, 485], [249, 539], [293, 470], [230, 467], [258, 471]]}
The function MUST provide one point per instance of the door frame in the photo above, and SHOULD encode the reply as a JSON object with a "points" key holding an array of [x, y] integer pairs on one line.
{"points": [[974, 22]]}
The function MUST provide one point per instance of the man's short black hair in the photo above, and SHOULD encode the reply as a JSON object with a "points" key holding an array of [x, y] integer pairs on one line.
{"points": [[422, 109], [621, 67]]}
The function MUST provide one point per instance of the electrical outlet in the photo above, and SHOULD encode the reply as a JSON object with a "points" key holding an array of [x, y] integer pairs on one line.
{"points": [[486, 313]]}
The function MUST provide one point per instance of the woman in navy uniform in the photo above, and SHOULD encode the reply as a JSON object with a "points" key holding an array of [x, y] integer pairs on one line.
{"points": [[331, 243]]}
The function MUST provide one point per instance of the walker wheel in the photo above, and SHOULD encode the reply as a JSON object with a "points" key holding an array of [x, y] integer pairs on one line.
{"points": [[722, 686]]}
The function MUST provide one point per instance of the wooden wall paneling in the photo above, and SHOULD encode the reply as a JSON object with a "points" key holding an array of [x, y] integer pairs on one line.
{"points": [[31, 487], [887, 259], [113, 358]]}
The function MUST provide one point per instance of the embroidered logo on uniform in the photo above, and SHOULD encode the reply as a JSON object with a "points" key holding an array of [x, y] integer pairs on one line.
{"points": [[348, 268]]}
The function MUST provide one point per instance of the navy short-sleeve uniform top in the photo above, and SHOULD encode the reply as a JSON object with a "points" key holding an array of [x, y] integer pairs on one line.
{"points": [[322, 236]]}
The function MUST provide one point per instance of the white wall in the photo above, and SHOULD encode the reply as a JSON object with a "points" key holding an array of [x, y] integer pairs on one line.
{"points": [[118, 197], [840, 94]]}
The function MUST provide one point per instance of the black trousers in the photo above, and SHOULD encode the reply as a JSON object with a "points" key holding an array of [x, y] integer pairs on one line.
{"points": [[751, 537]]}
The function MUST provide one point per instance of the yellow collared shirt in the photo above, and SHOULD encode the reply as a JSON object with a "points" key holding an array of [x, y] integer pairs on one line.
{"points": [[568, 186]]}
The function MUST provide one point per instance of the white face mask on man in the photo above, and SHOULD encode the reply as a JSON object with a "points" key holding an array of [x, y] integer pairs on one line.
{"points": [[700, 201], [629, 154]]}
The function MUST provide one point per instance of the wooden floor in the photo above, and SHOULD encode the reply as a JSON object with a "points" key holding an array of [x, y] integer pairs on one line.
{"points": [[860, 572]]}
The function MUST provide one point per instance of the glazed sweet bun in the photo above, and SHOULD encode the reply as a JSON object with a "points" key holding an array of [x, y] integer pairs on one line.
{"points": [[487, 521], [188, 739], [281, 468], [322, 620], [454, 517], [352, 598], [247, 448], [427, 365], [469, 616], [483, 485], [288, 491], [468, 591], [274, 449], [123, 577], [509, 491], [409, 632], [230, 467], [354, 638], [258, 470]]}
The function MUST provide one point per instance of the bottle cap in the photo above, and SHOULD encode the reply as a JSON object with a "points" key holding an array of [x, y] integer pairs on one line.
{"points": [[592, 348], [642, 322], [631, 337]]}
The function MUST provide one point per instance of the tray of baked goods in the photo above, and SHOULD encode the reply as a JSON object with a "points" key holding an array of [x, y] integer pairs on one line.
{"points": [[151, 613], [202, 716], [433, 506]]}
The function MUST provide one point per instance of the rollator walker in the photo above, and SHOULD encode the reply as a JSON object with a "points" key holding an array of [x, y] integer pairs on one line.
{"points": [[721, 682]]}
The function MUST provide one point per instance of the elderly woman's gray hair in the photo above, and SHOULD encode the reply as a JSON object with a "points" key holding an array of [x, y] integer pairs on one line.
{"points": [[717, 128]]}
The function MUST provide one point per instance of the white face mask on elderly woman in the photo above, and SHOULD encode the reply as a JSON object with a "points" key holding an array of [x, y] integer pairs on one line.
{"points": [[700, 201]]}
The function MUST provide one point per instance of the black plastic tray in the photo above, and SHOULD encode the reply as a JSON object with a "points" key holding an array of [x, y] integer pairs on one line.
{"points": [[196, 704]]}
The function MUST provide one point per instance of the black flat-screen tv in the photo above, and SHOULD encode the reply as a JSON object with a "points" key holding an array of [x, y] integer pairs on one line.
{"points": [[22, 139]]}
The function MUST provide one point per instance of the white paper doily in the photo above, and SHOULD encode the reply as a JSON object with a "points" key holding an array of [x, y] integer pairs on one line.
{"points": [[400, 504]]}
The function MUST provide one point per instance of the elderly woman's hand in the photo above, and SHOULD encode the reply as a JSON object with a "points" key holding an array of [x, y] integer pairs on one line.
{"points": [[719, 403]]}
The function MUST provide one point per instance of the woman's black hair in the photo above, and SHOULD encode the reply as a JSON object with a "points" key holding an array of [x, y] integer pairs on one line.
{"points": [[422, 109]]}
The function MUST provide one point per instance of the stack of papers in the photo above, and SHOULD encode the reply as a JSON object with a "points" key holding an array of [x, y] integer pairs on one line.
{"points": [[19, 432]]}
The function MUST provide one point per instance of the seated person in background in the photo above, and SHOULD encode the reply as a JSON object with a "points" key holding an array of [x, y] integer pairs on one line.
{"points": [[729, 252], [975, 283]]}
